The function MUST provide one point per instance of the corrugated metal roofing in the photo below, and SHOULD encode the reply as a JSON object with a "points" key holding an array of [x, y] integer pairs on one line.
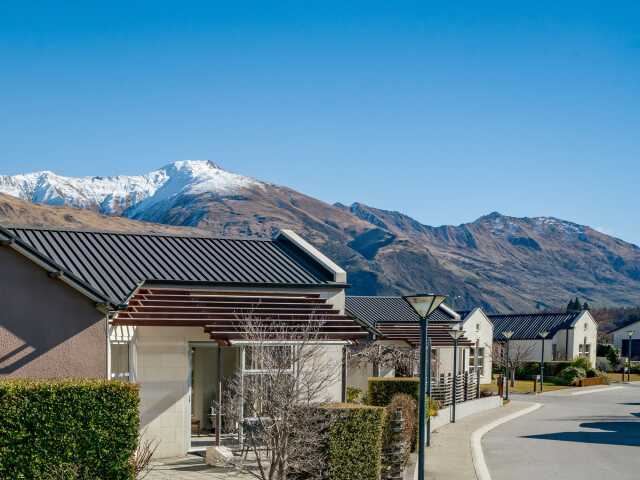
{"points": [[116, 263], [392, 309], [527, 326], [395, 319]]}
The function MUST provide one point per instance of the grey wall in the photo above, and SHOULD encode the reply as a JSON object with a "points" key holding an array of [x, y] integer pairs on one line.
{"points": [[47, 329]]}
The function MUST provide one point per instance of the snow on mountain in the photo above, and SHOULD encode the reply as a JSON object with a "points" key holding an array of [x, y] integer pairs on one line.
{"points": [[125, 194]]}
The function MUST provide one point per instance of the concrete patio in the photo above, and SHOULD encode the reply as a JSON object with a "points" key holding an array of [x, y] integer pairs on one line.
{"points": [[192, 467]]}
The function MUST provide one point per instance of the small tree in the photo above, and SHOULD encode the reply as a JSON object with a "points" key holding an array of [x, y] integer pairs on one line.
{"points": [[519, 354], [291, 379], [402, 360], [613, 357]]}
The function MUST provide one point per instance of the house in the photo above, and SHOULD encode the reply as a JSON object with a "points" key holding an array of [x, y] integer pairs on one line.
{"points": [[163, 311], [570, 335], [620, 339], [396, 323], [479, 330]]}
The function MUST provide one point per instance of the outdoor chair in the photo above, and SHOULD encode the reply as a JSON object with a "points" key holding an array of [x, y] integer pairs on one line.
{"points": [[254, 435]]}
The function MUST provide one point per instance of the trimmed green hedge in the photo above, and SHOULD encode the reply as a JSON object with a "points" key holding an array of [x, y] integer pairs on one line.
{"points": [[355, 441], [383, 389], [88, 428]]}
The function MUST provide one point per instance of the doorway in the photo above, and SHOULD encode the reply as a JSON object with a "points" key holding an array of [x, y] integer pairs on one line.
{"points": [[203, 392]]}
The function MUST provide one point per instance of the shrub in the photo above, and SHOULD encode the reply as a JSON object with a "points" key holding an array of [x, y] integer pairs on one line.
{"points": [[581, 362], [528, 370], [383, 389], [613, 356], [603, 364], [353, 394], [355, 441], [73, 428], [553, 369], [591, 373], [408, 406], [571, 375]]}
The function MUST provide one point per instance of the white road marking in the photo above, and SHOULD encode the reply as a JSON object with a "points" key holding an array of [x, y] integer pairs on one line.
{"points": [[596, 390], [479, 463]]}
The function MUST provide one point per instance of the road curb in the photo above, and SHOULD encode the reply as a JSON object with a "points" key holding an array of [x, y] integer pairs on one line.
{"points": [[479, 463]]}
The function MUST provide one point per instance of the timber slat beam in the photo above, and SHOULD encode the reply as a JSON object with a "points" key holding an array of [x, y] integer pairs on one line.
{"points": [[226, 315]]}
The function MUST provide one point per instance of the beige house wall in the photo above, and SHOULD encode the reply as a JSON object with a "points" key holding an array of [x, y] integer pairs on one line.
{"points": [[47, 329]]}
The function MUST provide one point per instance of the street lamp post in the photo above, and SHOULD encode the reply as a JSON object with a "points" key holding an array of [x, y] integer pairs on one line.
{"points": [[508, 334], [424, 305], [455, 333], [543, 336], [630, 335]]}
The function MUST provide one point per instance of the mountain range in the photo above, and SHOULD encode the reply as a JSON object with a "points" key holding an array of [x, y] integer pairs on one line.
{"points": [[498, 262]]}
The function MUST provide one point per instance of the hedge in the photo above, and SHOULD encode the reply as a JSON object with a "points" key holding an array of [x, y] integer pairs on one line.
{"points": [[355, 441], [87, 428], [383, 389]]}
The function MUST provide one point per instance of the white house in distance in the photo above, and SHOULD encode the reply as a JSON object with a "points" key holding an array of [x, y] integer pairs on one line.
{"points": [[479, 330], [570, 335], [397, 323], [620, 338]]}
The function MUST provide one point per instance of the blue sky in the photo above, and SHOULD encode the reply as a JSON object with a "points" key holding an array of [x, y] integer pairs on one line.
{"points": [[442, 110]]}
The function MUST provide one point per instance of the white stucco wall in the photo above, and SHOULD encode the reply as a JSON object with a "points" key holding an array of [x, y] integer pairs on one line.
{"points": [[478, 328], [622, 334], [162, 372], [585, 328]]}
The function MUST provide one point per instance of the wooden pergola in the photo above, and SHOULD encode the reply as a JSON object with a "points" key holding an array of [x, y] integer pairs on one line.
{"points": [[225, 315]]}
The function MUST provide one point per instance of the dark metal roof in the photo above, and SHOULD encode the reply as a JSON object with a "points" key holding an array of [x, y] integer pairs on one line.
{"points": [[114, 264], [374, 310], [527, 326], [624, 325]]}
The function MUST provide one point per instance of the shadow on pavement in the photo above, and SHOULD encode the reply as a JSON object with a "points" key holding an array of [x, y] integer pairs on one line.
{"points": [[614, 431]]}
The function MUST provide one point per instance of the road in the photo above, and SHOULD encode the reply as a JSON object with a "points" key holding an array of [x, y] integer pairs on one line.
{"points": [[595, 436]]}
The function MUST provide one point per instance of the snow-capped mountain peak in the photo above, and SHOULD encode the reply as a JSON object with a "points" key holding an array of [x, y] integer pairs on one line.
{"points": [[123, 194]]}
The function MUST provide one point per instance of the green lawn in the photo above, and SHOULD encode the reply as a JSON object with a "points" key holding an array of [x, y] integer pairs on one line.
{"points": [[617, 377], [522, 386]]}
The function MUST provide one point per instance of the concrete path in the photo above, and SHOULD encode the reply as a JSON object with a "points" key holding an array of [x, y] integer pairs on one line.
{"points": [[586, 434], [449, 457], [192, 468]]}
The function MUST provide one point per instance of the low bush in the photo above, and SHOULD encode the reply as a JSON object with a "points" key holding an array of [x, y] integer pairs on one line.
{"points": [[581, 362], [407, 405], [355, 441], [383, 389], [528, 371], [553, 369], [353, 394], [86, 429], [592, 372], [571, 375], [603, 364]]}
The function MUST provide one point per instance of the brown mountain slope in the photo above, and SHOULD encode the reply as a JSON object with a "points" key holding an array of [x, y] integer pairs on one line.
{"points": [[398, 268], [15, 212], [522, 263]]}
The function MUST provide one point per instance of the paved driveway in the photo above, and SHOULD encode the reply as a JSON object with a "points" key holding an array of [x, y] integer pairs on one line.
{"points": [[591, 436]]}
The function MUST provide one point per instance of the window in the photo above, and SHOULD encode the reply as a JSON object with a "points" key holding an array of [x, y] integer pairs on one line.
{"points": [[264, 358], [120, 360], [477, 327], [472, 360]]}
